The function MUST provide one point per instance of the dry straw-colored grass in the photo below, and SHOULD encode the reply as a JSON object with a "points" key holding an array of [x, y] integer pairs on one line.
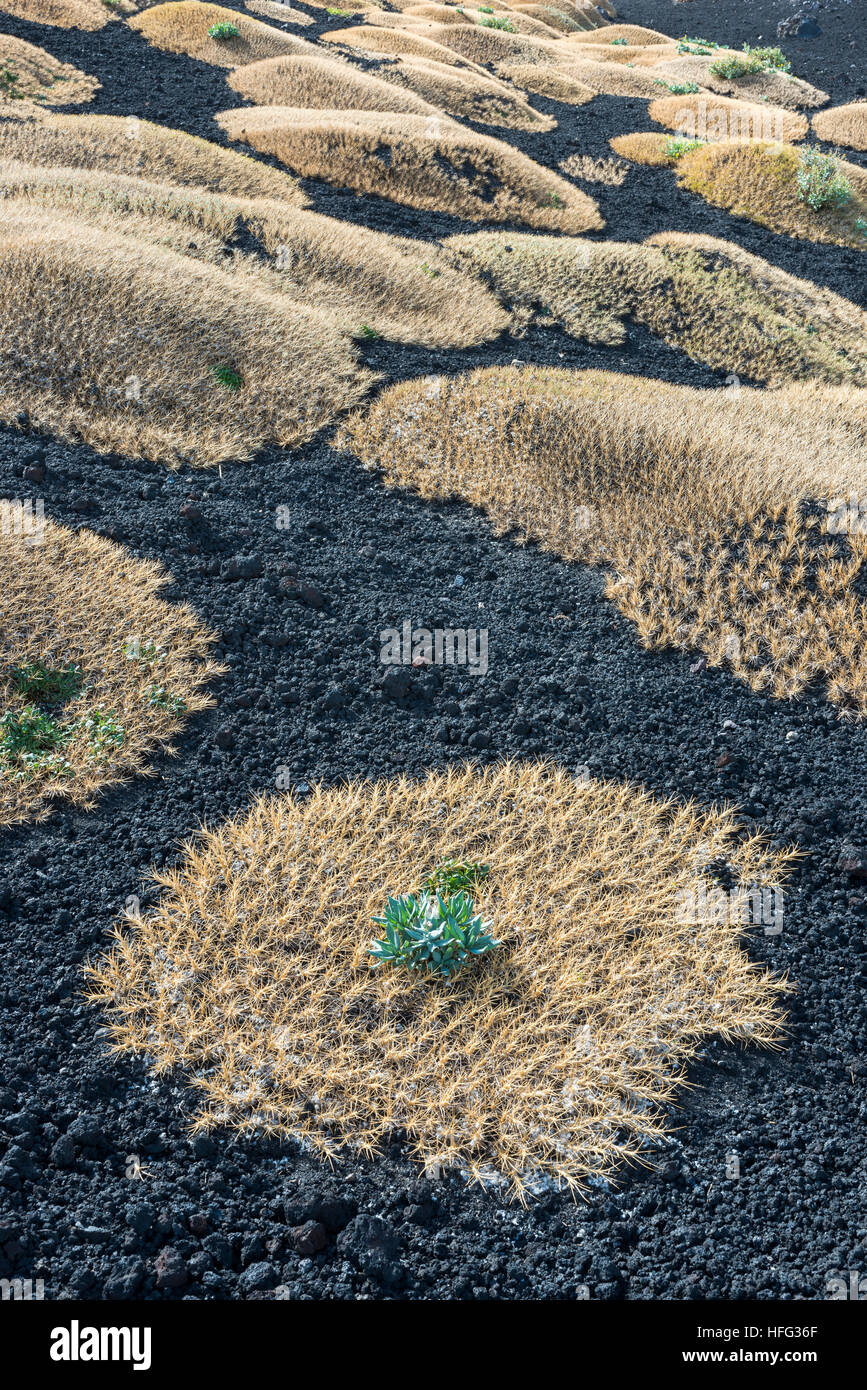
{"points": [[561, 18], [322, 83], [284, 11], [126, 145], [548, 82], [464, 94], [182, 27], [121, 345], [692, 499], [68, 14], [627, 55], [612, 172], [31, 74], [422, 162], [634, 34], [843, 125], [369, 38], [73, 599], [707, 117], [546, 1063], [759, 181], [778, 88], [716, 302], [490, 47], [405, 290], [608, 79]]}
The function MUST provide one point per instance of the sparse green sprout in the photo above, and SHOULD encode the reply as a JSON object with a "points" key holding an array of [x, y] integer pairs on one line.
{"points": [[556, 201], [454, 876], [224, 30], [342, 14], [678, 89], [861, 225], [365, 331], [820, 183], [615, 43], [496, 22], [485, 9], [47, 684], [429, 270], [676, 145], [148, 653], [159, 698], [104, 733], [227, 377], [431, 934], [701, 47]]}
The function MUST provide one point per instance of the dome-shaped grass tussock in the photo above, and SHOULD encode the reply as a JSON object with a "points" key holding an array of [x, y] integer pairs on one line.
{"points": [[707, 297], [703, 505], [29, 73], [420, 161], [843, 125], [369, 38], [182, 27], [544, 1063], [634, 34], [463, 94], [68, 14], [777, 88], [548, 82], [98, 672], [707, 117], [127, 145], [400, 288], [136, 350], [283, 11], [321, 83]]}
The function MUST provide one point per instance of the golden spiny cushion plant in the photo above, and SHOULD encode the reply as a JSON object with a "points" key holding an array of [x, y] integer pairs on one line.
{"points": [[760, 182], [843, 125], [137, 350], [283, 10], [462, 93], [544, 1062], [126, 145], [548, 82], [368, 38], [183, 26], [708, 117], [488, 47], [29, 73], [696, 501], [606, 79], [720, 304], [321, 83], [778, 88], [69, 14], [559, 18], [421, 161], [404, 289], [98, 672], [634, 34]]}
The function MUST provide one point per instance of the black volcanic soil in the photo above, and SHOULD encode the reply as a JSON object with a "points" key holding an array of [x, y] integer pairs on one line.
{"points": [[102, 1195]]}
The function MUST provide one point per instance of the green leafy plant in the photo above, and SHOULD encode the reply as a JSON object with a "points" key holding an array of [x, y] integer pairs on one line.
{"points": [[159, 698], [616, 43], [224, 30], [227, 377], [365, 331], [495, 22], [47, 684], [678, 89], [429, 270], [431, 934], [820, 183], [732, 68], [861, 225], [342, 14], [676, 145], [771, 59], [455, 876], [702, 47], [30, 731], [148, 653], [104, 732]]}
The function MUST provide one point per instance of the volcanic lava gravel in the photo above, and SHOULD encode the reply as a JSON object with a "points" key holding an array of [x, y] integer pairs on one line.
{"points": [[102, 1193]]}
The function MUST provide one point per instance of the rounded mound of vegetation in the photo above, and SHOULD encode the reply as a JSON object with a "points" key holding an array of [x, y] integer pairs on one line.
{"points": [[548, 82], [716, 512], [634, 34], [214, 34], [463, 94], [369, 38], [321, 83], [843, 125], [28, 73], [397, 287], [69, 14], [752, 82], [543, 1062], [819, 198], [608, 79], [98, 672], [709, 298], [126, 145], [422, 162], [136, 350], [705, 117]]}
